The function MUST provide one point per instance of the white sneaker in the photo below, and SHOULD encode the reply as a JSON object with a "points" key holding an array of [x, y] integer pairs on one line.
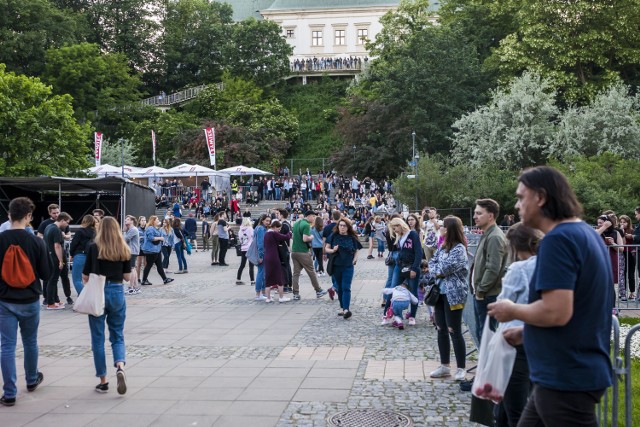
{"points": [[460, 374], [268, 300], [441, 372], [385, 321], [284, 299], [260, 298], [412, 321]]}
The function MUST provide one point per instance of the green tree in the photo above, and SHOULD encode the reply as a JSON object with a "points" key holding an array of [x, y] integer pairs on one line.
{"points": [[196, 35], [112, 152], [38, 132], [581, 45], [514, 130], [28, 28], [258, 52], [96, 81]]}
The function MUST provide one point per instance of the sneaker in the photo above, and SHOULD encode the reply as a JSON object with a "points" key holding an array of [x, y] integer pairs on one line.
{"points": [[284, 299], [370, 257], [239, 282], [460, 374], [69, 301], [7, 401], [412, 321], [129, 291], [167, 271], [385, 321], [179, 272], [321, 293], [102, 388], [122, 381], [268, 300], [296, 297], [146, 283], [341, 313], [223, 264], [441, 372], [136, 291], [465, 385], [32, 387], [253, 283], [347, 314], [623, 299], [395, 323], [332, 293], [260, 298], [55, 307], [185, 271], [168, 280]]}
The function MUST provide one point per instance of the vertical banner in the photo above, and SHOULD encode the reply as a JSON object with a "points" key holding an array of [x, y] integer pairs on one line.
{"points": [[97, 137], [153, 140], [210, 136]]}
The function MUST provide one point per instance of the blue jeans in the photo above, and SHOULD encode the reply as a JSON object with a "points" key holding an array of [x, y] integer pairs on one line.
{"points": [[115, 312], [182, 261], [76, 273], [398, 307], [260, 278], [480, 310], [343, 276], [380, 245], [389, 284], [27, 316]]}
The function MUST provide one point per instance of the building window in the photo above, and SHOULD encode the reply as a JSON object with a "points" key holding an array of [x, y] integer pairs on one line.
{"points": [[363, 35], [341, 38], [290, 34], [316, 38]]}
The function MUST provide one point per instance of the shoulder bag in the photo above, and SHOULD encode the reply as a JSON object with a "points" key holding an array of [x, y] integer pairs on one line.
{"points": [[432, 292], [91, 299]]}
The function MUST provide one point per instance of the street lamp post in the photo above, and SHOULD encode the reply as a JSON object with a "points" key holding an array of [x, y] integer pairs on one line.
{"points": [[416, 157]]}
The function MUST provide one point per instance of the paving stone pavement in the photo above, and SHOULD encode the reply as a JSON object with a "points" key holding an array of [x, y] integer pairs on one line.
{"points": [[202, 352]]}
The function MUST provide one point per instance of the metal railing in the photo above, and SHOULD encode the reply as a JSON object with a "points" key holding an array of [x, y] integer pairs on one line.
{"points": [[164, 100]]}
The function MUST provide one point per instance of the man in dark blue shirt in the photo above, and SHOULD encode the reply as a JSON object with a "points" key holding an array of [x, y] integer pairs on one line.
{"points": [[190, 228], [568, 318]]}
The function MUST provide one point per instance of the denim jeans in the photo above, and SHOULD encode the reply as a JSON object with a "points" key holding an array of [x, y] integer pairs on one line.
{"points": [[343, 277], [260, 278], [166, 254], [389, 284], [398, 307], [182, 261], [480, 310], [27, 316], [380, 245], [76, 273], [115, 311]]}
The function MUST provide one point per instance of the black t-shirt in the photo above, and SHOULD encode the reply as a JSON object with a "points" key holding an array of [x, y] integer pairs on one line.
{"points": [[347, 247], [36, 251], [44, 224], [53, 235], [113, 270]]}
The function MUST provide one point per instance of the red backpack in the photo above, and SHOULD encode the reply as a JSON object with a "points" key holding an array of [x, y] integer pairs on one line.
{"points": [[17, 270]]}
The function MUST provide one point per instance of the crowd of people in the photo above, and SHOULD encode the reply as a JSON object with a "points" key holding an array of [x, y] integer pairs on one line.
{"points": [[322, 64], [549, 280]]}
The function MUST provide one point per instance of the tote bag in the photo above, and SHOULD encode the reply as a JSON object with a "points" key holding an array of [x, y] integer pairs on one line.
{"points": [[91, 299], [252, 253]]}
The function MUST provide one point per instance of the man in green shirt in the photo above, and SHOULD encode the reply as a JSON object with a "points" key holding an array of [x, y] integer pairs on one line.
{"points": [[301, 256]]}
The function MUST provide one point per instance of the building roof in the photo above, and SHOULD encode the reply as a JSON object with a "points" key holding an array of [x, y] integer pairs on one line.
{"points": [[243, 9], [326, 4]]}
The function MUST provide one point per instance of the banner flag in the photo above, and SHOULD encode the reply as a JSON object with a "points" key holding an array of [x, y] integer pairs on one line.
{"points": [[153, 139], [97, 137], [210, 136]]}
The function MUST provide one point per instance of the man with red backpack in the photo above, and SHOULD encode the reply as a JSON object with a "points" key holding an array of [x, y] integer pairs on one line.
{"points": [[24, 263]]}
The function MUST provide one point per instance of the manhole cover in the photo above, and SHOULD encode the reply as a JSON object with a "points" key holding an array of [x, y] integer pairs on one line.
{"points": [[369, 418]]}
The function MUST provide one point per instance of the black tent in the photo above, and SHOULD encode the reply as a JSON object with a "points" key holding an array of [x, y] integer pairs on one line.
{"points": [[79, 196]]}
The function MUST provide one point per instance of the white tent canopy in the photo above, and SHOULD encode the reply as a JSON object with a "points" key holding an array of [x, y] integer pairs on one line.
{"points": [[244, 170], [150, 171], [109, 170], [186, 169]]}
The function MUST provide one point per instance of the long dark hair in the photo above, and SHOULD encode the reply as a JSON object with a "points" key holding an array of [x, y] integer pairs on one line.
{"points": [[560, 200], [455, 232]]}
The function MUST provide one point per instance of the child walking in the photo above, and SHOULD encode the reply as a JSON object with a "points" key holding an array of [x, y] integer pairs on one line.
{"points": [[401, 298]]}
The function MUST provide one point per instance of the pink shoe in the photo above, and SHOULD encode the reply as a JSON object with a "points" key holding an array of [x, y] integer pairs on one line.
{"points": [[394, 324], [400, 325]]}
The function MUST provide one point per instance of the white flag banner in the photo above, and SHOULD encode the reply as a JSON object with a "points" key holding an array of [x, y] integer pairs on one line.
{"points": [[97, 137], [210, 135], [153, 140]]}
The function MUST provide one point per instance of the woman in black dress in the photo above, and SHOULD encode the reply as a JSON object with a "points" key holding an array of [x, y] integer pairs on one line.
{"points": [[273, 272]]}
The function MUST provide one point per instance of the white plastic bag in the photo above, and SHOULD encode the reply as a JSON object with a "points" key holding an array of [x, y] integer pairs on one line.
{"points": [[91, 299], [495, 364]]}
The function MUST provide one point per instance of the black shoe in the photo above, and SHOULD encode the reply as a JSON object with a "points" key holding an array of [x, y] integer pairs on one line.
{"points": [[146, 283], [7, 401], [370, 257], [347, 314], [69, 301], [122, 381], [102, 388], [165, 281], [223, 265], [32, 387], [341, 314]]}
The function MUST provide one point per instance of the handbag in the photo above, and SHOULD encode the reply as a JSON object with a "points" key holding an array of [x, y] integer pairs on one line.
{"points": [[390, 260], [495, 364], [91, 299], [239, 249], [432, 292], [188, 246], [330, 261], [252, 252]]}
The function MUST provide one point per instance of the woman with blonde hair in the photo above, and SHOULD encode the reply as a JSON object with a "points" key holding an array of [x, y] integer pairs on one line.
{"points": [[407, 267], [151, 248], [109, 256], [78, 249], [167, 244]]}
